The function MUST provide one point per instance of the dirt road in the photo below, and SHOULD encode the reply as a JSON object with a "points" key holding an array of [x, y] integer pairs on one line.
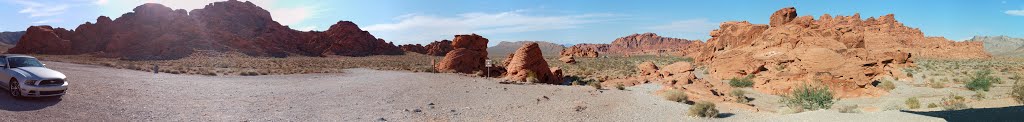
{"points": [[102, 93]]}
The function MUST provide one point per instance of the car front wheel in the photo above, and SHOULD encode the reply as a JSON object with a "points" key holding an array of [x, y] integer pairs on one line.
{"points": [[15, 89]]}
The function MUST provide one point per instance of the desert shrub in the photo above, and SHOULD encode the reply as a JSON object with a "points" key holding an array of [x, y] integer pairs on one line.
{"points": [[620, 86], [848, 109], [742, 82], [675, 95], [932, 105], [913, 103], [810, 97], [740, 95], [887, 85], [936, 84], [954, 102], [703, 109], [595, 83], [979, 95], [981, 80], [1018, 92], [531, 77]]}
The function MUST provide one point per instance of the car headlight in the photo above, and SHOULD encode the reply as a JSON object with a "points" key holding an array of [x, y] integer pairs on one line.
{"points": [[30, 82]]}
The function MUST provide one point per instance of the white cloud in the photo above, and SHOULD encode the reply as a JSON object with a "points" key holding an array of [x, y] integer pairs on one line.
{"points": [[37, 9], [416, 28], [101, 2], [47, 21], [1015, 12]]}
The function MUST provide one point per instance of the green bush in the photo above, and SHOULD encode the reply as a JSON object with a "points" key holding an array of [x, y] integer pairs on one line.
{"points": [[913, 103], [981, 80], [810, 97], [742, 82], [675, 95], [703, 109], [740, 95], [1018, 92], [887, 85], [932, 105]]}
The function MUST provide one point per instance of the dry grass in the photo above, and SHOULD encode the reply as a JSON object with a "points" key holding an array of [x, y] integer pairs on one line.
{"points": [[239, 64]]}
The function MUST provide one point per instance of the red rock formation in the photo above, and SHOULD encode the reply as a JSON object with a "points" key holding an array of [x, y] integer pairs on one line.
{"points": [[43, 38], [416, 48], [468, 57], [845, 53], [153, 31], [528, 62], [567, 59], [585, 50], [439, 48], [645, 43]]}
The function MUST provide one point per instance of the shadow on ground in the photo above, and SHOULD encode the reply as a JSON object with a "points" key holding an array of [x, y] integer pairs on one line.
{"points": [[9, 103], [1012, 113]]}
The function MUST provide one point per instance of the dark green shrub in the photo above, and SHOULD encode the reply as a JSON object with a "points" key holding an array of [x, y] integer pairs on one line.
{"points": [[742, 82], [810, 97], [981, 80], [703, 109]]}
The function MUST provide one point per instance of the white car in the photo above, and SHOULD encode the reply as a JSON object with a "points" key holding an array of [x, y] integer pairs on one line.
{"points": [[25, 76]]}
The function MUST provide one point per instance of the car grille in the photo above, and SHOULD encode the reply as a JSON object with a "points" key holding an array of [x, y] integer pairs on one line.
{"points": [[51, 82], [51, 92]]}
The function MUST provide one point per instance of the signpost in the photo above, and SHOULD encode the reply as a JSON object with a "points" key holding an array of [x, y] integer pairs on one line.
{"points": [[488, 64]]}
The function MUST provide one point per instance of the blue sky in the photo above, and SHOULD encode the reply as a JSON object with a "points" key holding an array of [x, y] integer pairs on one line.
{"points": [[559, 21]]}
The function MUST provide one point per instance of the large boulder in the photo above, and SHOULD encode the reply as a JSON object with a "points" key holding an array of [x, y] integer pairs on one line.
{"points": [[468, 57], [527, 64], [782, 16]]}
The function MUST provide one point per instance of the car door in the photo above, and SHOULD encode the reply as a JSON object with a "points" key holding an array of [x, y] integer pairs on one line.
{"points": [[5, 73]]}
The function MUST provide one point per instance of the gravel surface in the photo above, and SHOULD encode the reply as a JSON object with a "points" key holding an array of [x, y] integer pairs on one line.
{"points": [[101, 93]]}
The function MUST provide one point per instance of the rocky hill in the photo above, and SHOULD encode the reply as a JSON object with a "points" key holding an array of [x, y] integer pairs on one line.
{"points": [[9, 39], [154, 31], [436, 48], [847, 53], [1001, 45], [644, 43], [504, 48]]}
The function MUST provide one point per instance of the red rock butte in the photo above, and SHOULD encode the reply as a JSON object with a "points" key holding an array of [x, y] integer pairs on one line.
{"points": [[846, 53], [154, 31]]}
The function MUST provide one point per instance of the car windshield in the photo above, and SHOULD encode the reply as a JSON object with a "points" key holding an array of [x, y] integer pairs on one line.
{"points": [[16, 62]]}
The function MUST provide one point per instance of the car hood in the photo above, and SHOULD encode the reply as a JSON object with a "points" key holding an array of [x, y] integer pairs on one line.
{"points": [[40, 72]]}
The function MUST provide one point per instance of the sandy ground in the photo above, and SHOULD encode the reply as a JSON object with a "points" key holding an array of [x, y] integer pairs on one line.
{"points": [[101, 93]]}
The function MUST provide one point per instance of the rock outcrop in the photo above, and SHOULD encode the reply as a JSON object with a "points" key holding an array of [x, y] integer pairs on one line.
{"points": [[585, 50], [845, 53], [505, 47], [469, 55], [154, 31], [416, 48], [43, 39], [567, 59], [439, 48], [527, 64], [645, 43]]}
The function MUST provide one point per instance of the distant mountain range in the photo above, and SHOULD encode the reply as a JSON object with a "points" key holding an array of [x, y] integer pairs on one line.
{"points": [[1002, 45], [9, 39]]}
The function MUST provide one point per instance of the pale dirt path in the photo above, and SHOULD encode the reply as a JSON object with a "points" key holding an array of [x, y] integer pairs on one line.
{"points": [[101, 93]]}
